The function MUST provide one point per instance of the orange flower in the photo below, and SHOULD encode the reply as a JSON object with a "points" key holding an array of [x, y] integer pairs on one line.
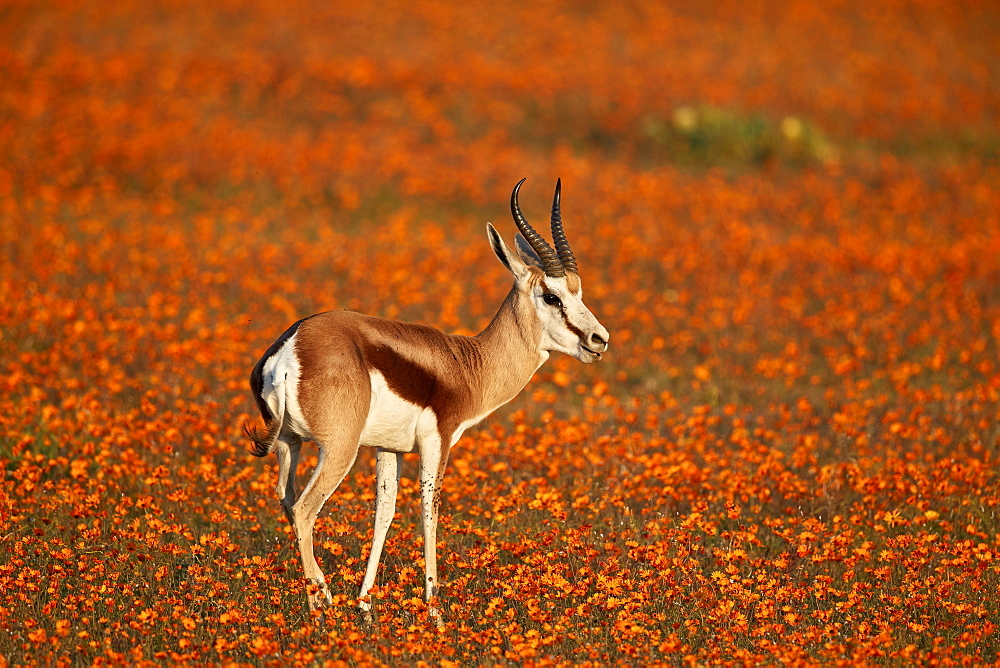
{"points": [[787, 456]]}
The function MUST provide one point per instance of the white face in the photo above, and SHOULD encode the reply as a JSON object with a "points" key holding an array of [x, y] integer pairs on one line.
{"points": [[568, 326]]}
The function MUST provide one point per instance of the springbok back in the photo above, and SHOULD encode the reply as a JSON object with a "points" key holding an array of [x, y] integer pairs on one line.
{"points": [[346, 380]]}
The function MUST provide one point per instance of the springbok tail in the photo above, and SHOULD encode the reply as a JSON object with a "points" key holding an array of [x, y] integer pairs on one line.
{"points": [[263, 442]]}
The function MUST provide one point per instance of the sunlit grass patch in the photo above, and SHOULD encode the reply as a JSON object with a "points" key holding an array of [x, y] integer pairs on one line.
{"points": [[705, 136], [948, 145]]}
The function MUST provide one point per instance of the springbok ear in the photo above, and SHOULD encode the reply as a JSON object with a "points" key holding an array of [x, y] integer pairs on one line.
{"points": [[526, 252], [509, 259]]}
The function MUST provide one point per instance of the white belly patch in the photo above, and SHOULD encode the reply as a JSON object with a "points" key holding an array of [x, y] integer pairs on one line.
{"points": [[280, 389], [393, 422]]}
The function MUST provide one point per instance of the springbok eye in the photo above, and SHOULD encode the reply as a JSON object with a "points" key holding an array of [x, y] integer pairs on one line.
{"points": [[552, 300]]}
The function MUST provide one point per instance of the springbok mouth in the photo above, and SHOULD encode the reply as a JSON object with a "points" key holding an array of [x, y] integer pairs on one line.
{"points": [[592, 352]]}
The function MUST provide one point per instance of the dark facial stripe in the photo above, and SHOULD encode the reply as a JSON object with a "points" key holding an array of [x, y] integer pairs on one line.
{"points": [[571, 327]]}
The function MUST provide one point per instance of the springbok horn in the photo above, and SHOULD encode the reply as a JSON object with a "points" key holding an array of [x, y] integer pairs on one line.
{"points": [[558, 236], [550, 261]]}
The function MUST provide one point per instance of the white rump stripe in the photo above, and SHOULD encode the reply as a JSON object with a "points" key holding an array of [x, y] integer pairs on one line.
{"points": [[280, 390]]}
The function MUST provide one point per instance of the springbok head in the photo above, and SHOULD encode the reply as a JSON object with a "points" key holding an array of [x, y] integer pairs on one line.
{"points": [[549, 279]]}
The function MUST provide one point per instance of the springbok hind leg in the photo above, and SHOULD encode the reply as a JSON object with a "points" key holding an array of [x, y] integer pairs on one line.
{"points": [[287, 448], [335, 460]]}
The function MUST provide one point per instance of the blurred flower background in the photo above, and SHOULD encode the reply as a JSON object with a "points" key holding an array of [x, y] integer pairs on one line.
{"points": [[786, 213]]}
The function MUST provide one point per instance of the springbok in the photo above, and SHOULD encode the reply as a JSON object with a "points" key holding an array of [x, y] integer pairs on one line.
{"points": [[346, 380]]}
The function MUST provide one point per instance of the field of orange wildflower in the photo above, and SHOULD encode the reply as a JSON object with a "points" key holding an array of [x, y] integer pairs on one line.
{"points": [[786, 213]]}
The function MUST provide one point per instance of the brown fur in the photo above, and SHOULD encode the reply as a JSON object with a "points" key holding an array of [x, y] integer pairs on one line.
{"points": [[573, 282]]}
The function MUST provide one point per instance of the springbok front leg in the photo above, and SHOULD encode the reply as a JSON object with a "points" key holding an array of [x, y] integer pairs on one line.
{"points": [[386, 486], [432, 463], [336, 456]]}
